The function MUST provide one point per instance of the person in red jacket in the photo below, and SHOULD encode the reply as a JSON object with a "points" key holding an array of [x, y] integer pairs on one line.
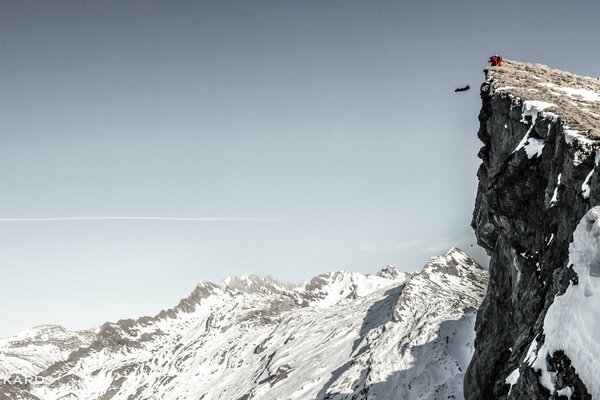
{"points": [[496, 61]]}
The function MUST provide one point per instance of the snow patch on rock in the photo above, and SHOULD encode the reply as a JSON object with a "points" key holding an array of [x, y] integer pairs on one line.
{"points": [[533, 146], [512, 379], [531, 108], [572, 322]]}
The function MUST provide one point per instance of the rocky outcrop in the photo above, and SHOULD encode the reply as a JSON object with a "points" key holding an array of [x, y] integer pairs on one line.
{"points": [[537, 180]]}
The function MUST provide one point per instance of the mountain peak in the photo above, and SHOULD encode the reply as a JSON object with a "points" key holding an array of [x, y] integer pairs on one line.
{"points": [[251, 283], [453, 258], [453, 278], [391, 272]]}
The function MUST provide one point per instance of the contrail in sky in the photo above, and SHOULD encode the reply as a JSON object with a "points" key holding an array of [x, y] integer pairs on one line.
{"points": [[112, 218], [40, 268]]}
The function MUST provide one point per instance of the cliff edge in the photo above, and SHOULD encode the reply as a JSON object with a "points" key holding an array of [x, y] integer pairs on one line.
{"points": [[535, 215]]}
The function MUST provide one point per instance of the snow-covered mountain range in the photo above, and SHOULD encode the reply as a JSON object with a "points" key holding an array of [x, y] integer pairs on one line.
{"points": [[340, 336]]}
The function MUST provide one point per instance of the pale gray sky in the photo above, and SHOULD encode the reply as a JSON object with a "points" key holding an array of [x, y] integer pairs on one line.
{"points": [[316, 135]]}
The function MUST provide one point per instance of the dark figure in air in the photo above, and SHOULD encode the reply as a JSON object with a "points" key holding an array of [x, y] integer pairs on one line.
{"points": [[462, 89]]}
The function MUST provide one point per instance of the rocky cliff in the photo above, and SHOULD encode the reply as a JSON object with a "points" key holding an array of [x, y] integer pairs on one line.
{"points": [[538, 327]]}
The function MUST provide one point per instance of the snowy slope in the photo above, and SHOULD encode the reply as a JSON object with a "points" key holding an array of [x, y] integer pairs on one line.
{"points": [[34, 350], [340, 336]]}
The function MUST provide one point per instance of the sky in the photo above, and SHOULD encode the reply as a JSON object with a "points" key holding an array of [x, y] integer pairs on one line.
{"points": [[282, 138]]}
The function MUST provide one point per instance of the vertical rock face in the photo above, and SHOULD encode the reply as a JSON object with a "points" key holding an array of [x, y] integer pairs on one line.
{"points": [[537, 181]]}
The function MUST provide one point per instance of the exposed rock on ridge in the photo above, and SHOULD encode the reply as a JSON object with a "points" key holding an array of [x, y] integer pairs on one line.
{"points": [[537, 180]]}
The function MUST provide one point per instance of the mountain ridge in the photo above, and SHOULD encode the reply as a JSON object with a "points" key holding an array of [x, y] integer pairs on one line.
{"points": [[333, 338]]}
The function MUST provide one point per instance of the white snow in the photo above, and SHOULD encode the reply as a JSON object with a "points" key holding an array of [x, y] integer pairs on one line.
{"points": [[572, 322], [554, 198], [533, 146], [567, 392], [585, 94], [512, 379], [531, 353], [547, 378], [503, 88], [585, 188], [572, 135], [551, 116], [33, 350], [532, 108]]}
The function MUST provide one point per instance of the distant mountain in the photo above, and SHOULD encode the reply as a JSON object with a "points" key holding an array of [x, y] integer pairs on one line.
{"points": [[342, 335], [36, 349]]}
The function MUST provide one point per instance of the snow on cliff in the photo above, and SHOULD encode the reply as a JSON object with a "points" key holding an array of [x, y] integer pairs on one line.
{"points": [[550, 92], [537, 327], [572, 322]]}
